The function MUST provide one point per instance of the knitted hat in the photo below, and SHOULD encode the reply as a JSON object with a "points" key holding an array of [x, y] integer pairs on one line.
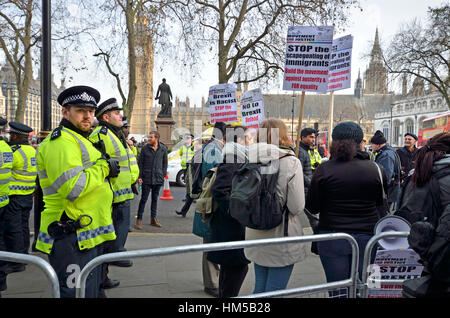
{"points": [[412, 135], [378, 138], [348, 130]]}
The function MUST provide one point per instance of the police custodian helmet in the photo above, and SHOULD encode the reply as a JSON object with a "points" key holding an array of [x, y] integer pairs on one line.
{"points": [[107, 105], [79, 96], [19, 128]]}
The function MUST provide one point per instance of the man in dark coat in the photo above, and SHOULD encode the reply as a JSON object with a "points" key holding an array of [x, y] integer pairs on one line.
{"points": [[407, 154], [307, 140], [152, 163], [387, 157]]}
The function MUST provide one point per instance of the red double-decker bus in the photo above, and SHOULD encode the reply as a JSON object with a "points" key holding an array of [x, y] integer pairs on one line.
{"points": [[433, 126]]}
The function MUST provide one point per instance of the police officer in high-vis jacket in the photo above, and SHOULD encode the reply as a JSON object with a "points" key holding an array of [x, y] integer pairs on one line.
{"points": [[109, 134], [21, 188], [6, 161], [73, 175], [186, 154]]}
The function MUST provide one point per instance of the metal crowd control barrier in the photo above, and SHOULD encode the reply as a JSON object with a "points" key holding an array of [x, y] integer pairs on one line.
{"points": [[368, 251], [39, 262], [351, 282]]}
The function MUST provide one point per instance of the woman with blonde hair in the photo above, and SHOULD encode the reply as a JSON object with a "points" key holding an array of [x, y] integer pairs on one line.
{"points": [[274, 264]]}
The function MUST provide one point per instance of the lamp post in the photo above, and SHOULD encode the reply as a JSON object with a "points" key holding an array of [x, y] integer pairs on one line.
{"points": [[46, 60]]}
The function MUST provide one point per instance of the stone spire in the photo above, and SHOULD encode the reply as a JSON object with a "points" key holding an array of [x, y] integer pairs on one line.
{"points": [[376, 55], [404, 85], [376, 74], [358, 86]]}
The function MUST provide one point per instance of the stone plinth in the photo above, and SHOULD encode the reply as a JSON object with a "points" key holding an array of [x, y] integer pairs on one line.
{"points": [[165, 128]]}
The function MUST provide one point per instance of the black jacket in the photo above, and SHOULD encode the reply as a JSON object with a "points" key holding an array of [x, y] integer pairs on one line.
{"points": [[305, 160], [153, 164], [225, 228], [346, 194], [406, 160]]}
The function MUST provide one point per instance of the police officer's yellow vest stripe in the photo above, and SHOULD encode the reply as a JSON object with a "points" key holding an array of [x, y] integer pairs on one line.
{"points": [[24, 170], [186, 154], [316, 159], [73, 180], [6, 157], [129, 170]]}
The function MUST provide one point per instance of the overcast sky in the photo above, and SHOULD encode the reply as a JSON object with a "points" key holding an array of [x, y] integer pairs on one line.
{"points": [[387, 15]]}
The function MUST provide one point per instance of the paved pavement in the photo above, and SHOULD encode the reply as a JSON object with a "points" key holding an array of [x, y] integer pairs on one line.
{"points": [[174, 276]]}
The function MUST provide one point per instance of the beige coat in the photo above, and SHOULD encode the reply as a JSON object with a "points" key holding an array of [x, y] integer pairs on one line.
{"points": [[290, 183]]}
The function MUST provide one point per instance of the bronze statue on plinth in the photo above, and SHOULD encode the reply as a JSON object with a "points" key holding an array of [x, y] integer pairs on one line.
{"points": [[164, 95]]}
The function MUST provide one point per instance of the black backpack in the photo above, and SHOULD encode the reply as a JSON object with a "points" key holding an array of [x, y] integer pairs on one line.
{"points": [[430, 238], [254, 201]]}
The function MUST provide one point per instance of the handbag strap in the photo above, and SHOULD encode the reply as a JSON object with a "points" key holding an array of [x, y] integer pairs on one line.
{"points": [[381, 179]]}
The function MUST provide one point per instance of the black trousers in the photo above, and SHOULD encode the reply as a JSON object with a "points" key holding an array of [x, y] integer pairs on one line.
{"points": [[121, 222], [3, 264], [17, 229], [67, 260], [187, 204], [231, 279]]}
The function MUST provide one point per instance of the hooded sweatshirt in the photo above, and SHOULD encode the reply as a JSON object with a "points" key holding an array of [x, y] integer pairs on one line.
{"points": [[290, 190]]}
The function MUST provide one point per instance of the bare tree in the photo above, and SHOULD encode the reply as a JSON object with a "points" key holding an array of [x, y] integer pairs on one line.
{"points": [[127, 23], [17, 37], [249, 33], [424, 51], [20, 36]]}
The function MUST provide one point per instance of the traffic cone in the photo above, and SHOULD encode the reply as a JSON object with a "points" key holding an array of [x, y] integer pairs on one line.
{"points": [[166, 192]]}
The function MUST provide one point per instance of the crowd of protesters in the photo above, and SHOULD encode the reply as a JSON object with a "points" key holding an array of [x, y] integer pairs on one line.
{"points": [[347, 192]]}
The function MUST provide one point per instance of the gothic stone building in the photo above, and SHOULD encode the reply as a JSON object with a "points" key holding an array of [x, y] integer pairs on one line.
{"points": [[407, 113], [9, 97]]}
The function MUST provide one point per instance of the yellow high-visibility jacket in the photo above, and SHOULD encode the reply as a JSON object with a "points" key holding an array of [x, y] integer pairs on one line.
{"points": [[72, 176], [6, 157], [24, 170], [129, 169]]}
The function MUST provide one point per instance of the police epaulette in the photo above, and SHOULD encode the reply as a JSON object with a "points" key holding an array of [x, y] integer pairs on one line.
{"points": [[56, 133], [104, 130], [14, 148]]}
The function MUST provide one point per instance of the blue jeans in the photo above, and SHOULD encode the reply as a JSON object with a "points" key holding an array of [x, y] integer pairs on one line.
{"points": [[146, 189], [271, 278], [336, 258]]}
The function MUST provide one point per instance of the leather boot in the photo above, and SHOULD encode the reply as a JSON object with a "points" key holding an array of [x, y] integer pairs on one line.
{"points": [[138, 224], [155, 222]]}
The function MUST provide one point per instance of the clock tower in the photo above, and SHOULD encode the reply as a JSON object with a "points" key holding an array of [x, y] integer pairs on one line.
{"points": [[143, 104]]}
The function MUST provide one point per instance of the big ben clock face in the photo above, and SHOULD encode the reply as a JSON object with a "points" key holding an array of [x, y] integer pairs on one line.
{"points": [[139, 51]]}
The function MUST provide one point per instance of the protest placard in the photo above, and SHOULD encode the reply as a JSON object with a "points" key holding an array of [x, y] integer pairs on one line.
{"points": [[223, 103], [252, 108], [400, 264], [340, 64], [308, 51]]}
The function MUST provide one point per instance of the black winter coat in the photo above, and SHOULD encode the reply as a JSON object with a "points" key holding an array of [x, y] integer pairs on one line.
{"points": [[347, 194], [406, 160], [153, 164], [225, 228], [305, 159]]}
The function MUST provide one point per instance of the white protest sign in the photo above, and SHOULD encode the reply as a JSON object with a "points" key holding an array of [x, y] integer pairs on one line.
{"points": [[223, 103], [398, 264], [340, 64], [252, 108], [308, 51]]}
